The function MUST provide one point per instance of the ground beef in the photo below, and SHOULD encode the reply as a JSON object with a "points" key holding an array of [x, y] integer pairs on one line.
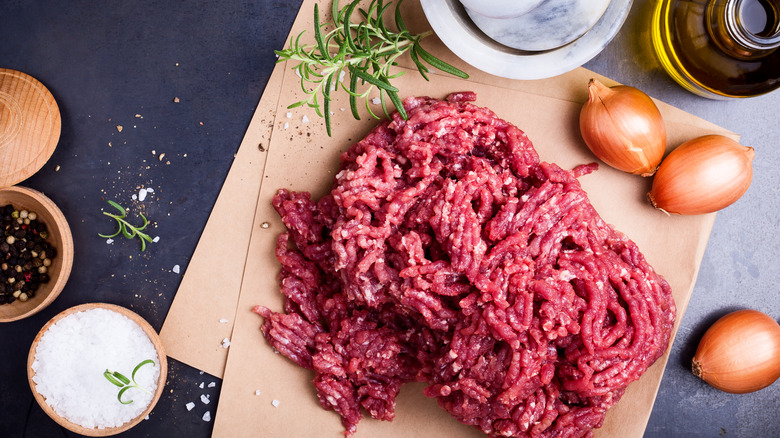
{"points": [[447, 253]]}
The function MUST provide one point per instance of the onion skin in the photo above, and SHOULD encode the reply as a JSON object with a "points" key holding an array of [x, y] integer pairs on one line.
{"points": [[702, 175], [622, 126], [740, 353]]}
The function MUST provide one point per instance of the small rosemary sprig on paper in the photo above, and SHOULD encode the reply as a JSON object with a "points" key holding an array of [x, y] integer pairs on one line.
{"points": [[118, 379], [125, 228], [365, 51]]}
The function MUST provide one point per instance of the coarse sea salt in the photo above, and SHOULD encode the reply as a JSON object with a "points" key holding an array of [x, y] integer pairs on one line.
{"points": [[72, 356]]}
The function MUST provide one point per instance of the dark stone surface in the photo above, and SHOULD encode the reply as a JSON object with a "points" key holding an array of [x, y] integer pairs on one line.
{"points": [[105, 62]]}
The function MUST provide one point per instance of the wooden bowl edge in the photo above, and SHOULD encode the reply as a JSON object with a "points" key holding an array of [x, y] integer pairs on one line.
{"points": [[162, 359]]}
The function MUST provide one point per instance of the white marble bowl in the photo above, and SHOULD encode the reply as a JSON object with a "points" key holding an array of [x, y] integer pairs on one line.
{"points": [[549, 25], [452, 24], [500, 8]]}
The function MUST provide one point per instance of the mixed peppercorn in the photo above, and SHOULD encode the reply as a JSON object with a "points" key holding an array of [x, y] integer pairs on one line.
{"points": [[25, 255]]}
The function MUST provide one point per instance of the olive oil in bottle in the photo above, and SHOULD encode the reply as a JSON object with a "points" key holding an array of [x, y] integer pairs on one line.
{"points": [[719, 48]]}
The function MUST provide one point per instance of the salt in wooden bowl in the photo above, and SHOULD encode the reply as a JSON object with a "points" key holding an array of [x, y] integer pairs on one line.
{"points": [[108, 431], [59, 236]]}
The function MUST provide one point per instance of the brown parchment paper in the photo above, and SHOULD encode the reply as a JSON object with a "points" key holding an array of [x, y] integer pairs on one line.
{"points": [[300, 156], [192, 331], [196, 323]]}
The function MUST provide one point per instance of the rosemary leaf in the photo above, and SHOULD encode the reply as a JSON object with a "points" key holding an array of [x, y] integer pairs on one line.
{"points": [[119, 396], [365, 50], [125, 228], [441, 65]]}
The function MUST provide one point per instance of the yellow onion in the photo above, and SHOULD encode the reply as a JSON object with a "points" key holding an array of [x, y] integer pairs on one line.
{"points": [[702, 175], [622, 126], [740, 353]]}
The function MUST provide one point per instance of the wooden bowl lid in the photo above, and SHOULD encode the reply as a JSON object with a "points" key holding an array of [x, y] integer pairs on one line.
{"points": [[30, 126], [108, 431]]}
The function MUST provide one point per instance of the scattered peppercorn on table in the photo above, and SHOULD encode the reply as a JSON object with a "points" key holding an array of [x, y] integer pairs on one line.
{"points": [[155, 99]]}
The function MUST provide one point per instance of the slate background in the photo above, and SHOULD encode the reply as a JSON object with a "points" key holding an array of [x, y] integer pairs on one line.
{"points": [[106, 62]]}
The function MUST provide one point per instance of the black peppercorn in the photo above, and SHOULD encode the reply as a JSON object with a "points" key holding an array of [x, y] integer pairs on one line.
{"points": [[23, 251]]}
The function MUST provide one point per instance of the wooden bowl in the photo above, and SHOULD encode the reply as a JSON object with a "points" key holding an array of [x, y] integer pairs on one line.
{"points": [[60, 238], [161, 358]]}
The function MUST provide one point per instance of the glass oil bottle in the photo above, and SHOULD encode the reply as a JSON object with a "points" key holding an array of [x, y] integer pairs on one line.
{"points": [[719, 48]]}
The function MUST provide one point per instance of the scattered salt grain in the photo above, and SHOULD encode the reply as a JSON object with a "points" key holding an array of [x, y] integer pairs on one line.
{"points": [[142, 195], [204, 399], [176, 269], [135, 197], [146, 417], [286, 125], [151, 190], [189, 406], [275, 403], [223, 321], [225, 343], [305, 119], [156, 239], [212, 384], [201, 373], [207, 416], [257, 392], [74, 353], [109, 241], [376, 101], [289, 115], [202, 385]]}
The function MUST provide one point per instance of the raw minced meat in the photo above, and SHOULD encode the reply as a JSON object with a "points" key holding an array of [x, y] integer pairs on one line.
{"points": [[447, 253]]}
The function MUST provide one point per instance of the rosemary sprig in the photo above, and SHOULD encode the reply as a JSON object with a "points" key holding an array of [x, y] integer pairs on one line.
{"points": [[118, 379], [365, 51], [125, 228]]}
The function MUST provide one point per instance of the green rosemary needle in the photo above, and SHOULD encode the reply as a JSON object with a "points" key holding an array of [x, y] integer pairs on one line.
{"points": [[364, 51], [126, 228], [118, 379]]}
